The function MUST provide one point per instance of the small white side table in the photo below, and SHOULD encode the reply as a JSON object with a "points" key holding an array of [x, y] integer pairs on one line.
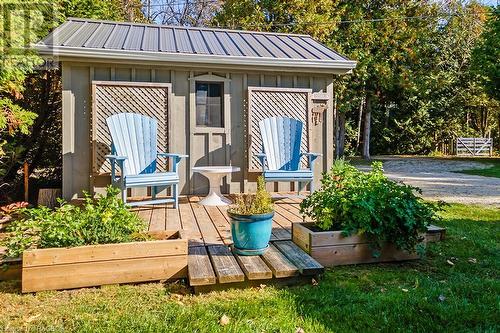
{"points": [[215, 175]]}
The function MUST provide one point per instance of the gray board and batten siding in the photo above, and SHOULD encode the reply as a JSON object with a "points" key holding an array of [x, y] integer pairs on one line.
{"points": [[104, 63]]}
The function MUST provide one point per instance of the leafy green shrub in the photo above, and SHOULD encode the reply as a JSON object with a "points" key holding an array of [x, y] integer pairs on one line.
{"points": [[369, 203], [101, 221], [253, 204]]}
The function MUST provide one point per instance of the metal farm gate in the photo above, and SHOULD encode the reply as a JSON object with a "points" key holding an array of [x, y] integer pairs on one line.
{"points": [[475, 146], [275, 102], [112, 97]]}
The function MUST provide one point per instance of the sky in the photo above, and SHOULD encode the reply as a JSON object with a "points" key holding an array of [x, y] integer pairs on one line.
{"points": [[490, 2]]}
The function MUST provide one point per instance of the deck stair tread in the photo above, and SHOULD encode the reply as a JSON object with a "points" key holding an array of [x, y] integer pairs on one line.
{"points": [[200, 270], [279, 263], [304, 262], [225, 265], [216, 264], [254, 267]]}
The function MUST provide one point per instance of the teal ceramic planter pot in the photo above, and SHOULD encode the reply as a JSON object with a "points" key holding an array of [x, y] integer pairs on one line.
{"points": [[251, 233]]}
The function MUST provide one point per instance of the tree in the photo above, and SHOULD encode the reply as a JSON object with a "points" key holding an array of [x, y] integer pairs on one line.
{"points": [[33, 93], [184, 13], [16, 63], [486, 55]]}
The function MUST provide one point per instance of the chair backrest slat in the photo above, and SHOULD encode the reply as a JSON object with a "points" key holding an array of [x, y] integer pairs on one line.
{"points": [[281, 139], [134, 136]]}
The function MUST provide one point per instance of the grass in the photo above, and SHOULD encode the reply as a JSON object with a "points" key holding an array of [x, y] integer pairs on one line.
{"points": [[493, 171], [422, 296]]}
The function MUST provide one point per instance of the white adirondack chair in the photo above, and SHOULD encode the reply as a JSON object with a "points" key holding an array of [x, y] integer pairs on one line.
{"points": [[280, 160], [134, 151]]}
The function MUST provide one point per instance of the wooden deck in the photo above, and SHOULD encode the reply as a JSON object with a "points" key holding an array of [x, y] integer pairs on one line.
{"points": [[208, 225], [211, 263]]}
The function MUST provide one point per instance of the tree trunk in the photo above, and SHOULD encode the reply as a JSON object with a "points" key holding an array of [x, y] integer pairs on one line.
{"points": [[367, 128], [360, 120], [341, 135]]}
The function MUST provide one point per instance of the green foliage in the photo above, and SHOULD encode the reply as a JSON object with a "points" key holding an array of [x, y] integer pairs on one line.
{"points": [[369, 203], [413, 64], [486, 54], [253, 204], [101, 221], [30, 97]]}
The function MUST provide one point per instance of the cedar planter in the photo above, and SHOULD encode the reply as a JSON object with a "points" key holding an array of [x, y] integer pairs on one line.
{"points": [[96, 265], [330, 248], [10, 269]]}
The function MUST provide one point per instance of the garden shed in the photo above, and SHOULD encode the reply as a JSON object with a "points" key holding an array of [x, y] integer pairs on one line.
{"points": [[208, 88]]}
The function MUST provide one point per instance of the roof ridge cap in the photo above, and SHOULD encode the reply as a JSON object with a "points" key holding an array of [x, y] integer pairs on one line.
{"points": [[184, 27]]}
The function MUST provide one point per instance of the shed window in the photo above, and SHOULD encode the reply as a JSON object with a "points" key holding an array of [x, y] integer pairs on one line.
{"points": [[209, 108]]}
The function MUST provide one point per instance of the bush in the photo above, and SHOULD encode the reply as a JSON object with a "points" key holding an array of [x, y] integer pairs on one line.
{"points": [[369, 203], [253, 204], [101, 221]]}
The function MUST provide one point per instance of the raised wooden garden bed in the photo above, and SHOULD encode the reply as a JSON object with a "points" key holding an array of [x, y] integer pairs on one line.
{"points": [[10, 268], [95, 265], [330, 248]]}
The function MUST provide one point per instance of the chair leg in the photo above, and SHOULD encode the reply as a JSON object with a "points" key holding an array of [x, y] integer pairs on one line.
{"points": [[175, 190], [153, 192], [299, 185], [124, 195], [311, 187]]}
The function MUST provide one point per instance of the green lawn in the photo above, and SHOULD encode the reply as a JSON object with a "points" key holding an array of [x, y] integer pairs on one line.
{"points": [[493, 171], [426, 296]]}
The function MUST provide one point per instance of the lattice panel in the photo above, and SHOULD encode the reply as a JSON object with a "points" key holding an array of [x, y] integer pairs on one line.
{"points": [[276, 102], [117, 97]]}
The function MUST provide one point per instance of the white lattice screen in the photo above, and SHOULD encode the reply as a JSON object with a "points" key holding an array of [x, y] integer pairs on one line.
{"points": [[111, 97], [275, 102]]}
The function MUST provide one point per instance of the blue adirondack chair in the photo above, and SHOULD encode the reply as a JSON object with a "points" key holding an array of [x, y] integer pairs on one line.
{"points": [[280, 160], [134, 151]]}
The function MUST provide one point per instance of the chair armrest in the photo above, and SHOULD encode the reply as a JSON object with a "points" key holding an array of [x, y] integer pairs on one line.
{"points": [[262, 158], [315, 155], [172, 155], [176, 158], [116, 157], [311, 157]]}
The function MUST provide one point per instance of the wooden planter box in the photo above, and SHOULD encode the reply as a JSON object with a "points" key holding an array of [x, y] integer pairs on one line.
{"points": [[10, 269], [330, 248], [96, 265]]}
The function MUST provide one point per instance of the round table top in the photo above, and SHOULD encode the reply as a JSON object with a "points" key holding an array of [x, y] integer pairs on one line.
{"points": [[216, 169]]}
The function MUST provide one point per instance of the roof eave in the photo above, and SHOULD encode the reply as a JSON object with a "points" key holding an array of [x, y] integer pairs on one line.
{"points": [[333, 66]]}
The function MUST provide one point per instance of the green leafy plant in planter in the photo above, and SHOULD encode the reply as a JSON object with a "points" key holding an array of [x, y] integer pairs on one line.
{"points": [[103, 220], [252, 204], [251, 221], [369, 203]]}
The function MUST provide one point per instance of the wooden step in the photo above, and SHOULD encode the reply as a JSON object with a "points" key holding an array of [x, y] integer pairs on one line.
{"points": [[200, 271], [279, 264], [304, 262], [225, 265], [254, 267]]}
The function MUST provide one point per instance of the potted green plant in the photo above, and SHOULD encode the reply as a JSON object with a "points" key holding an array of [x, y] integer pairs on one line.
{"points": [[252, 221], [361, 217]]}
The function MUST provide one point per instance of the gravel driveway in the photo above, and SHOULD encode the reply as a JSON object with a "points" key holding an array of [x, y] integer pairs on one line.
{"points": [[438, 181]]}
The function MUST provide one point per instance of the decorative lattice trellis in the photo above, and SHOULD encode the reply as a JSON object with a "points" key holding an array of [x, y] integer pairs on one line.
{"points": [[111, 97], [275, 102]]}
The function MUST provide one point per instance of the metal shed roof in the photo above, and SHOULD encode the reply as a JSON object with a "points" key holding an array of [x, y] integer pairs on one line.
{"points": [[123, 40]]}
